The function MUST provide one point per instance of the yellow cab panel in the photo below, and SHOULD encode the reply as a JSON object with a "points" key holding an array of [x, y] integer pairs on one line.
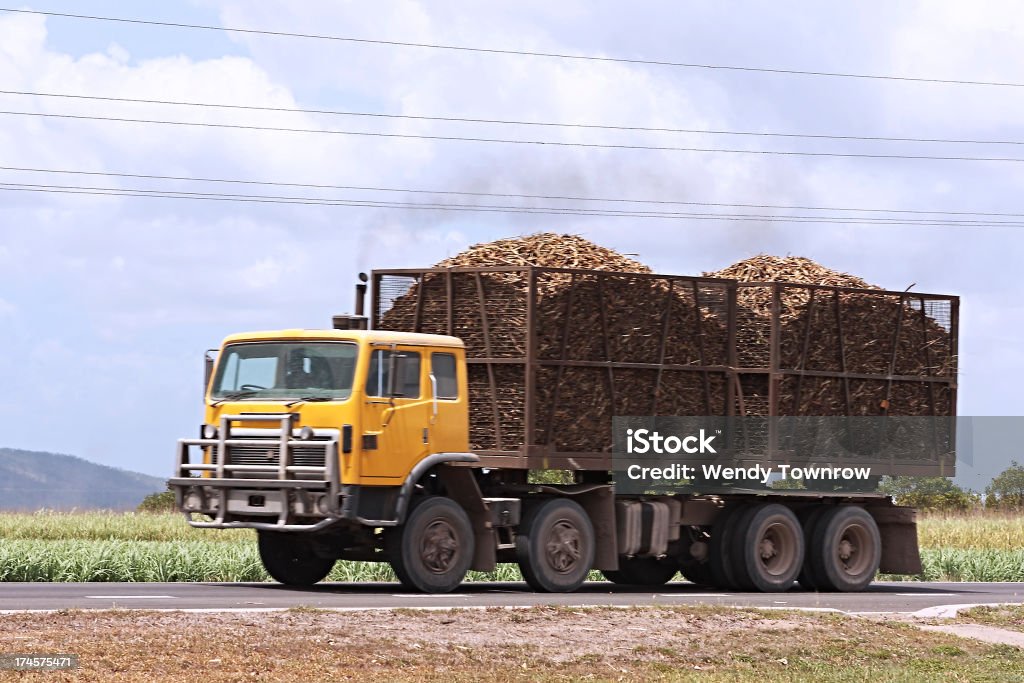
{"points": [[333, 378]]}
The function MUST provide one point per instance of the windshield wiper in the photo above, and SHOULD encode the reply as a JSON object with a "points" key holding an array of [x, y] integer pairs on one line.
{"points": [[234, 396], [308, 399]]}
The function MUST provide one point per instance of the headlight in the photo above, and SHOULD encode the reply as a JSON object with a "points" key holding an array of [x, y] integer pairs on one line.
{"points": [[209, 432], [321, 505], [193, 501], [306, 433]]}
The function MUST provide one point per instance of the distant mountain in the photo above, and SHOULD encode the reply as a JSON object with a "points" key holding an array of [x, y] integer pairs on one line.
{"points": [[30, 480]]}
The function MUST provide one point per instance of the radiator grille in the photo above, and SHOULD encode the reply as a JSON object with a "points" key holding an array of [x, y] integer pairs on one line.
{"points": [[270, 455]]}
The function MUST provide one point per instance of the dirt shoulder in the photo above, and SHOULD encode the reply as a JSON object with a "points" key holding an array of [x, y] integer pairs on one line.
{"points": [[1001, 616], [499, 645]]}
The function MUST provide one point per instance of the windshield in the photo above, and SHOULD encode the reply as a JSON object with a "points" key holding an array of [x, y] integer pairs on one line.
{"points": [[303, 370]]}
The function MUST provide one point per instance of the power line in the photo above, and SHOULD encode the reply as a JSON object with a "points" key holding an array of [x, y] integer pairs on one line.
{"points": [[504, 195], [320, 201], [546, 143], [525, 53], [511, 122]]}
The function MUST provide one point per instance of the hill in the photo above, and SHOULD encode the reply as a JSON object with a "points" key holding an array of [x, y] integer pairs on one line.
{"points": [[30, 480]]}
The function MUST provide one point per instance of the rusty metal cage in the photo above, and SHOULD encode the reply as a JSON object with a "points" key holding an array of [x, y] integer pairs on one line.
{"points": [[555, 353]]}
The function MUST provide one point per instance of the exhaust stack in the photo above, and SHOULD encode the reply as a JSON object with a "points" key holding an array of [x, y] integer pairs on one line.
{"points": [[359, 320], [361, 295]]}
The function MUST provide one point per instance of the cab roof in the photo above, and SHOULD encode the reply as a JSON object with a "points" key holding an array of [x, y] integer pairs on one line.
{"points": [[368, 336]]}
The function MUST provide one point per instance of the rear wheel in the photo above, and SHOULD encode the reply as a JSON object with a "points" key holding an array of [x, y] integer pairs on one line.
{"points": [[845, 549], [720, 557], [555, 547], [432, 551], [642, 571], [808, 578], [768, 548], [290, 558]]}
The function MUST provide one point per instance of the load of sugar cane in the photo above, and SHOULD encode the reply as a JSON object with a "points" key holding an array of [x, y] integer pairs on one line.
{"points": [[611, 338]]}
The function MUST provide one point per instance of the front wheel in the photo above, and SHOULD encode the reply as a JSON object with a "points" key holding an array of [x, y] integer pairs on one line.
{"points": [[432, 551], [290, 558], [555, 546]]}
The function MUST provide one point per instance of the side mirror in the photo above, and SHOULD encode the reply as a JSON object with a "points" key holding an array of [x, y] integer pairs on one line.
{"points": [[209, 358]]}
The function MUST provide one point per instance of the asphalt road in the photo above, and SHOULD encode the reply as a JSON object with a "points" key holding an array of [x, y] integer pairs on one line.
{"points": [[881, 597]]}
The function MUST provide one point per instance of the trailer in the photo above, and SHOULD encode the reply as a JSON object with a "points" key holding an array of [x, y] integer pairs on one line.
{"points": [[426, 434]]}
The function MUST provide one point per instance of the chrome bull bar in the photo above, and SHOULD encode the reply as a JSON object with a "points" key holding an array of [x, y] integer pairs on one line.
{"points": [[219, 492]]}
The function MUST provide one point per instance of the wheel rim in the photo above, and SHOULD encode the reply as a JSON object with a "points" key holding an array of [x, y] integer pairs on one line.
{"points": [[563, 547], [439, 547], [853, 550], [776, 549]]}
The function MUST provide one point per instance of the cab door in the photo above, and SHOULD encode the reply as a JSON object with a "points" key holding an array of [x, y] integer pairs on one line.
{"points": [[396, 433], [449, 431]]}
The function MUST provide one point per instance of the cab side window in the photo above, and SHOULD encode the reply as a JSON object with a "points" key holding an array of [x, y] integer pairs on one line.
{"points": [[377, 379], [442, 365]]}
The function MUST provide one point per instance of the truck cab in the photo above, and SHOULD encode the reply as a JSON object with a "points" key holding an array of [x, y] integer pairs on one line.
{"points": [[296, 421]]}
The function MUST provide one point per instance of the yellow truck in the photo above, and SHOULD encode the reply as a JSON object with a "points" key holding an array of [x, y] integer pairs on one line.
{"points": [[414, 435]]}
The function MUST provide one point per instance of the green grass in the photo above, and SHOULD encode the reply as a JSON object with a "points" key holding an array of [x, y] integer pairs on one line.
{"points": [[971, 564], [194, 560], [100, 546], [987, 531], [191, 560], [972, 547], [47, 525]]}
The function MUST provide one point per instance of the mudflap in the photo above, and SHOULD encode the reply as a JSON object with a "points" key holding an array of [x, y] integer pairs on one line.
{"points": [[898, 528], [461, 486]]}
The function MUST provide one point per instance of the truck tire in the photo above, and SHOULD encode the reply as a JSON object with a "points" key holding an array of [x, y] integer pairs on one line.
{"points": [[845, 549], [555, 546], [697, 572], [642, 571], [431, 552], [809, 520], [720, 560], [290, 558], [768, 548]]}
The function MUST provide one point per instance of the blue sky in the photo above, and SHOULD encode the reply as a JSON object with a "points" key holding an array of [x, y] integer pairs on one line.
{"points": [[106, 304]]}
